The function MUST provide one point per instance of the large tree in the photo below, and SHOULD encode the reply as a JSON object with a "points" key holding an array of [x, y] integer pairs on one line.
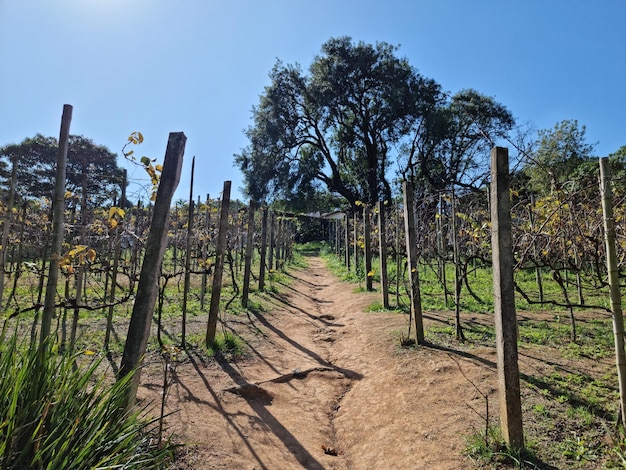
{"points": [[450, 145], [89, 166], [333, 127], [560, 154]]}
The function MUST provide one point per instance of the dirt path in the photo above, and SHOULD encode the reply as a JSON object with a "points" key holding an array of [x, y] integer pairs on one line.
{"points": [[324, 377]]}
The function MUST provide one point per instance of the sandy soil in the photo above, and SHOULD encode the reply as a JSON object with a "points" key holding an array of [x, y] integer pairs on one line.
{"points": [[326, 385]]}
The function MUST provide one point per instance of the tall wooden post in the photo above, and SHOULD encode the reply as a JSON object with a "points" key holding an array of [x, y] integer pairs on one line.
{"points": [[355, 239], [248, 258], [347, 241], [205, 250], [504, 301], [187, 287], [58, 223], [220, 253], [156, 243], [382, 250], [614, 282], [411, 251], [116, 264], [263, 249], [367, 240]]}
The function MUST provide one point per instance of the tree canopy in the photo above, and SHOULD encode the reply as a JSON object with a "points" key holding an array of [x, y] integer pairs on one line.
{"points": [[559, 156], [450, 144], [88, 164], [358, 113], [333, 127]]}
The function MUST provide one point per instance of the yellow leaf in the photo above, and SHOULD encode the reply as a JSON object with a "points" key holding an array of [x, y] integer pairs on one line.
{"points": [[112, 223], [91, 255], [158, 167], [89, 352], [77, 249]]}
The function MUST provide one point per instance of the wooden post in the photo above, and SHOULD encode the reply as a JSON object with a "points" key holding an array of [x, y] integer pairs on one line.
{"points": [[355, 240], [460, 336], [116, 263], [382, 250], [347, 241], [205, 249], [58, 224], [411, 250], [263, 249], [248, 260], [614, 282], [6, 228], [504, 301], [187, 285], [220, 252], [272, 242], [156, 243], [367, 240]]}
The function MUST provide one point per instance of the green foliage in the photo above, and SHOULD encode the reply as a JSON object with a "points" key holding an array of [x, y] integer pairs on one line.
{"points": [[54, 414], [487, 447], [36, 157], [560, 153], [229, 344], [334, 125]]}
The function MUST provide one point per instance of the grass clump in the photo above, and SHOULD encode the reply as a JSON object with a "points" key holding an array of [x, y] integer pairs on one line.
{"points": [[56, 414], [488, 448], [227, 344]]}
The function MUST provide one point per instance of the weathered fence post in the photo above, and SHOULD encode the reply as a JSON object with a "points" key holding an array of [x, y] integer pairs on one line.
{"points": [[411, 251], [156, 243], [355, 239], [347, 240], [382, 250], [205, 250], [367, 240], [248, 259], [220, 252], [187, 285], [614, 283], [504, 300], [116, 264], [263, 253], [58, 224]]}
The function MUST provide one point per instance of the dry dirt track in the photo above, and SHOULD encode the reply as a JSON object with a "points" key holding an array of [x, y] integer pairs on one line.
{"points": [[325, 374]]}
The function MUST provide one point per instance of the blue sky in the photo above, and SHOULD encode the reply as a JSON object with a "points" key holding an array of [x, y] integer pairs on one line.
{"points": [[198, 66]]}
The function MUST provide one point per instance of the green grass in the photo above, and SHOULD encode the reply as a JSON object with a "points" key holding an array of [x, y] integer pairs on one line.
{"points": [[227, 344]]}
